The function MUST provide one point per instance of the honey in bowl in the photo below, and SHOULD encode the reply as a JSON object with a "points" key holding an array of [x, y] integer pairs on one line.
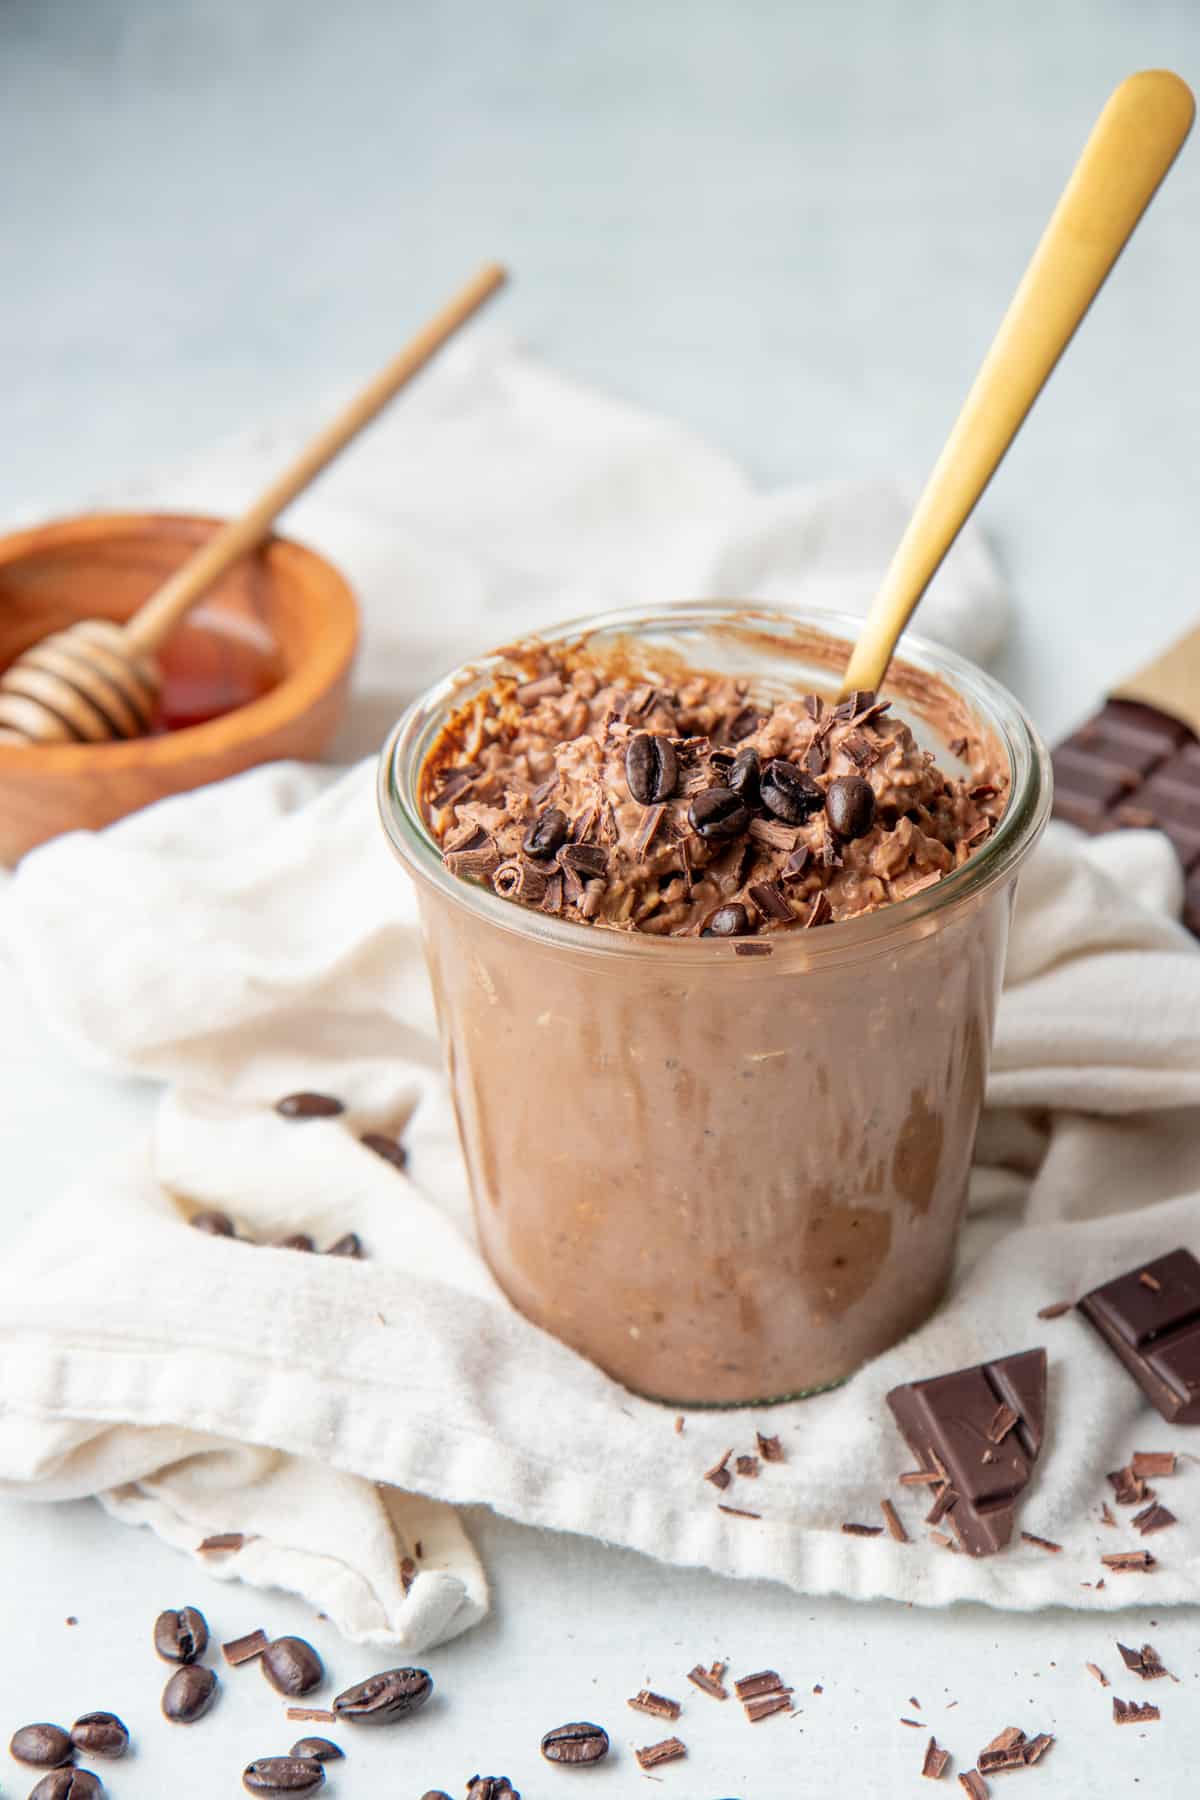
{"points": [[217, 660]]}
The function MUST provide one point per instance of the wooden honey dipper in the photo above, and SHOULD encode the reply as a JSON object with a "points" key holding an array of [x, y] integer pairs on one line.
{"points": [[98, 680]]}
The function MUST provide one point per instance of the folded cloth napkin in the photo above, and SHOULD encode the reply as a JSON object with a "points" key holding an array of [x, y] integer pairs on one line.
{"points": [[255, 938]]}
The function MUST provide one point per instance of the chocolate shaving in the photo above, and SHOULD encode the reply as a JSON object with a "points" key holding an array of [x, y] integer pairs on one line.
{"points": [[752, 949], [457, 785], [1037, 1747], [1009, 1739], [1002, 1423], [1128, 1488], [770, 900], [543, 790], [1094, 1669], [552, 899], [860, 750], [920, 1478], [972, 1782], [408, 1573], [1150, 1281], [944, 1501], [221, 1542], [737, 1512], [588, 860], [816, 758], [1056, 1309], [475, 864], [821, 914], [668, 1751], [1107, 1516], [679, 1422], [547, 687], [709, 1680], [748, 1466], [831, 856], [936, 1761], [317, 1715], [719, 1473], [942, 1541], [767, 1681], [915, 1723], [1126, 1562], [1128, 1712], [647, 1701], [1145, 1662], [520, 880], [852, 1528], [1153, 1462], [244, 1649], [768, 1704], [814, 706], [892, 1520], [1153, 1518], [796, 863], [957, 746], [770, 1448], [652, 818], [773, 834], [1041, 1543]]}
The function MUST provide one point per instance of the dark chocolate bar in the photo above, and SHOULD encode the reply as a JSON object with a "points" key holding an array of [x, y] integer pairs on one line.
{"points": [[980, 1431], [1150, 1318], [1132, 765]]}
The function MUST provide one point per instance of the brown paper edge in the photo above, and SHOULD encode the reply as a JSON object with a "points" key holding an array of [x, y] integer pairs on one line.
{"points": [[1171, 683]]}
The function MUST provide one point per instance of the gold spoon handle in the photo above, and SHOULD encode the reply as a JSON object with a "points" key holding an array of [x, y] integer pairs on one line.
{"points": [[1135, 140], [155, 621]]}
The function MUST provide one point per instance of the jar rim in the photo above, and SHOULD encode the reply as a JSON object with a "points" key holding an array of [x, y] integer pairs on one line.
{"points": [[404, 753]]}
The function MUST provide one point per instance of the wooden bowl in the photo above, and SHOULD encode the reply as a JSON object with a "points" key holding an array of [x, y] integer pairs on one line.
{"points": [[274, 641]]}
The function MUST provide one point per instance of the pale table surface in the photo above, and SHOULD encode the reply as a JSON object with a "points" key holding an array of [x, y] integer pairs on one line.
{"points": [[794, 227]]}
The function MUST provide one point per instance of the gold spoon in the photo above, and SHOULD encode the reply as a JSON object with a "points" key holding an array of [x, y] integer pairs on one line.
{"points": [[97, 680], [1135, 140]]}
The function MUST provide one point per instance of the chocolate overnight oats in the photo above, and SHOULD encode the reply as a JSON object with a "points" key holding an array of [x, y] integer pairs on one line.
{"points": [[716, 959]]}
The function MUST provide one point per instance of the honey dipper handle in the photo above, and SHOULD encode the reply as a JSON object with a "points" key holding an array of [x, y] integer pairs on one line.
{"points": [[153, 623], [1133, 144]]}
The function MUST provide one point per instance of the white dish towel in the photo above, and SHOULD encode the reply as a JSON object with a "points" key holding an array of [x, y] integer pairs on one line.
{"points": [[335, 1412]]}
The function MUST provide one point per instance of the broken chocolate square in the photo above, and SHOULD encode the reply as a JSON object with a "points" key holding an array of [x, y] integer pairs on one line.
{"points": [[1155, 1330], [947, 1420]]}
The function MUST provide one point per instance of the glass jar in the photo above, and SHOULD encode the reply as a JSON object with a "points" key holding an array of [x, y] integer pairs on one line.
{"points": [[725, 1178]]}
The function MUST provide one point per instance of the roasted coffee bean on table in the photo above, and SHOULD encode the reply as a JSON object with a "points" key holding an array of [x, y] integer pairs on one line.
{"points": [[100, 1734], [651, 767], [320, 1749], [292, 1666], [576, 1743], [850, 806], [384, 1698], [547, 834], [189, 1694], [309, 1106], [68, 1784], [295, 1240], [283, 1775], [215, 1224], [491, 1787], [42, 1746], [349, 1245], [181, 1636], [390, 1148], [717, 813], [435, 1794], [789, 793]]}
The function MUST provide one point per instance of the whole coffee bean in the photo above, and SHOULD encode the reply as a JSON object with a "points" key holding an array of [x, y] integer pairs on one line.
{"points": [[651, 767], [283, 1775], [577, 1743], [350, 1245], [318, 1749], [68, 1784], [42, 1746], [547, 834], [717, 813], [309, 1106], [728, 921], [744, 776], [435, 1794], [181, 1636], [295, 1240], [391, 1149], [215, 1224], [383, 1698], [189, 1694], [789, 793], [850, 806], [491, 1787], [292, 1666], [100, 1734]]}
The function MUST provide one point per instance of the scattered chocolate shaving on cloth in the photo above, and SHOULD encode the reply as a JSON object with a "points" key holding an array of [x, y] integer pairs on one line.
{"points": [[647, 1701]]}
